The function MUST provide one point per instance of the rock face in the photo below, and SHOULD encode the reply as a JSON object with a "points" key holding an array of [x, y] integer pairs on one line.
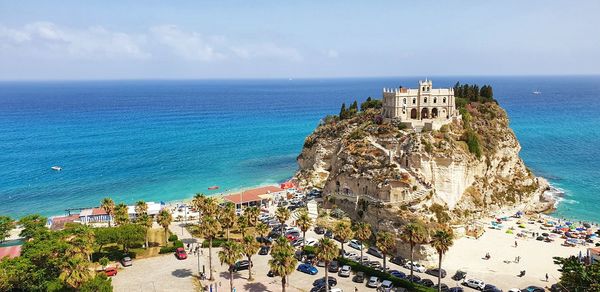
{"points": [[463, 171]]}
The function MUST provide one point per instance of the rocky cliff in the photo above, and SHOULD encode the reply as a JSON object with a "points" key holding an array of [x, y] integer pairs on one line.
{"points": [[465, 170]]}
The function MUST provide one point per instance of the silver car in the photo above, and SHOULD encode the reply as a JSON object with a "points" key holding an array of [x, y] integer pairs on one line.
{"points": [[373, 282], [345, 271], [126, 262]]}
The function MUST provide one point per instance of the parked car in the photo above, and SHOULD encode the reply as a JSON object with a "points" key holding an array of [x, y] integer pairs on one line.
{"points": [[311, 242], [413, 278], [426, 283], [436, 272], [456, 289], [297, 242], [126, 262], [345, 271], [271, 274], [264, 240], [291, 237], [241, 265], [415, 267], [321, 281], [444, 287], [354, 244], [398, 260], [386, 286], [459, 275], [397, 274], [180, 253], [475, 284], [373, 282], [110, 271], [334, 267], [319, 230], [359, 277], [264, 250], [374, 264], [349, 255], [375, 252], [308, 269], [533, 289], [491, 288], [328, 234], [364, 259]]}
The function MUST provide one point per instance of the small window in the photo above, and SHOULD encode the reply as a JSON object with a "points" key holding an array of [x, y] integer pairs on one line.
{"points": [[404, 101], [425, 100], [423, 88], [444, 100], [435, 100], [414, 100]]}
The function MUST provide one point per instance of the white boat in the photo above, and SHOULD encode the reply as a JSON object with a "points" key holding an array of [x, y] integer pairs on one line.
{"points": [[537, 92], [57, 168]]}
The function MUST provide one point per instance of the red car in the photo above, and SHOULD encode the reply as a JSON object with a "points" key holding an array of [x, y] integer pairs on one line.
{"points": [[180, 253], [110, 271], [291, 237]]}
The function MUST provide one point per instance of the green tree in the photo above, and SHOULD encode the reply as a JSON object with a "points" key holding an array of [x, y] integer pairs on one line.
{"points": [[250, 247], [198, 203], [343, 232], [386, 243], [262, 229], [164, 219], [252, 214], [6, 225], [363, 233], [75, 271], [304, 222], [413, 233], [282, 214], [353, 109], [326, 251], [33, 226], [242, 224], [577, 276], [282, 262], [104, 236], [441, 240], [100, 283], [129, 235], [230, 252], [210, 228], [121, 214], [343, 112], [108, 205], [81, 239], [103, 261], [228, 217]]}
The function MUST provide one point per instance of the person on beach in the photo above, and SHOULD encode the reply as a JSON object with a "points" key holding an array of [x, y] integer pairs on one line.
{"points": [[516, 243]]}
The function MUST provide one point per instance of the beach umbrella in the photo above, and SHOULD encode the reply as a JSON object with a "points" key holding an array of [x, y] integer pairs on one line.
{"points": [[568, 223], [587, 225]]}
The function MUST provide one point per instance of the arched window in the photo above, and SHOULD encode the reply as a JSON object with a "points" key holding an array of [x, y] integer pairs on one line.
{"points": [[425, 100], [435, 100], [444, 100], [423, 88], [404, 100], [414, 100]]}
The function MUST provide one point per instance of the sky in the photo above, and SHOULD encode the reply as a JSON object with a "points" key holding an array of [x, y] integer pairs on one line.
{"points": [[72, 40]]}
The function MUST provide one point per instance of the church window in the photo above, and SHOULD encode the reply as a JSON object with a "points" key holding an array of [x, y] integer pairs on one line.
{"points": [[425, 100], [404, 101], [435, 100], [444, 100]]}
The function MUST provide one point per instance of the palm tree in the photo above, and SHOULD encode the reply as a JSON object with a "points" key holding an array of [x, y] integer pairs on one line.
{"points": [[81, 240], [343, 231], [251, 247], [304, 222], [121, 214], [75, 271], [282, 262], [363, 233], [210, 206], [252, 215], [282, 214], [164, 219], [327, 251], [386, 243], [242, 224], [228, 217], [141, 207], [441, 240], [230, 252], [413, 233], [210, 228], [142, 217], [262, 229], [109, 207], [198, 203]]}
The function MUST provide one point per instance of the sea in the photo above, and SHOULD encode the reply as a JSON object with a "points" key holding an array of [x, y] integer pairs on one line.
{"points": [[165, 140]]}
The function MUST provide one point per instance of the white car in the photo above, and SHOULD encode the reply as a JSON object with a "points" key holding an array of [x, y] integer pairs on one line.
{"points": [[386, 286], [292, 229], [349, 255], [345, 271], [415, 267], [310, 242], [475, 284], [354, 244], [514, 290], [373, 282], [336, 290]]}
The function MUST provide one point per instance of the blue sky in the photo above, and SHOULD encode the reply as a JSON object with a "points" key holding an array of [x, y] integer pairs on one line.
{"points": [[281, 39]]}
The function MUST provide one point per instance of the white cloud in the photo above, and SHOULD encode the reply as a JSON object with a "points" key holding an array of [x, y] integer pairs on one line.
{"points": [[189, 45], [49, 40], [331, 53]]}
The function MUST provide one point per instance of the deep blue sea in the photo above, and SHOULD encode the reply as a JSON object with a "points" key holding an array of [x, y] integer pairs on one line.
{"points": [[166, 140]]}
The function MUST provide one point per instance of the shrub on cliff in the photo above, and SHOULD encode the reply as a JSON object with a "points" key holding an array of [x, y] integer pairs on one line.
{"points": [[371, 103], [472, 140]]}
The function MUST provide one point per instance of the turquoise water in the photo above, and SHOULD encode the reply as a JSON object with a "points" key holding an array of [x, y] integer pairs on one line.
{"points": [[166, 140]]}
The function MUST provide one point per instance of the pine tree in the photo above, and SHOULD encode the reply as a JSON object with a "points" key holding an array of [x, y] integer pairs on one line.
{"points": [[343, 111]]}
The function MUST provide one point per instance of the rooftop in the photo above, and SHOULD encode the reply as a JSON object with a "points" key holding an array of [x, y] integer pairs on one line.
{"points": [[252, 195]]}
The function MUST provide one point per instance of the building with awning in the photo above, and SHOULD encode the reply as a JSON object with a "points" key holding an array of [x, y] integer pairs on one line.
{"points": [[254, 197], [10, 251]]}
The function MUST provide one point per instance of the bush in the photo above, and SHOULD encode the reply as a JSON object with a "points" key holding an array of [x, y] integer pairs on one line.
{"points": [[472, 140], [167, 249], [178, 243], [173, 237], [382, 276], [216, 242]]}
